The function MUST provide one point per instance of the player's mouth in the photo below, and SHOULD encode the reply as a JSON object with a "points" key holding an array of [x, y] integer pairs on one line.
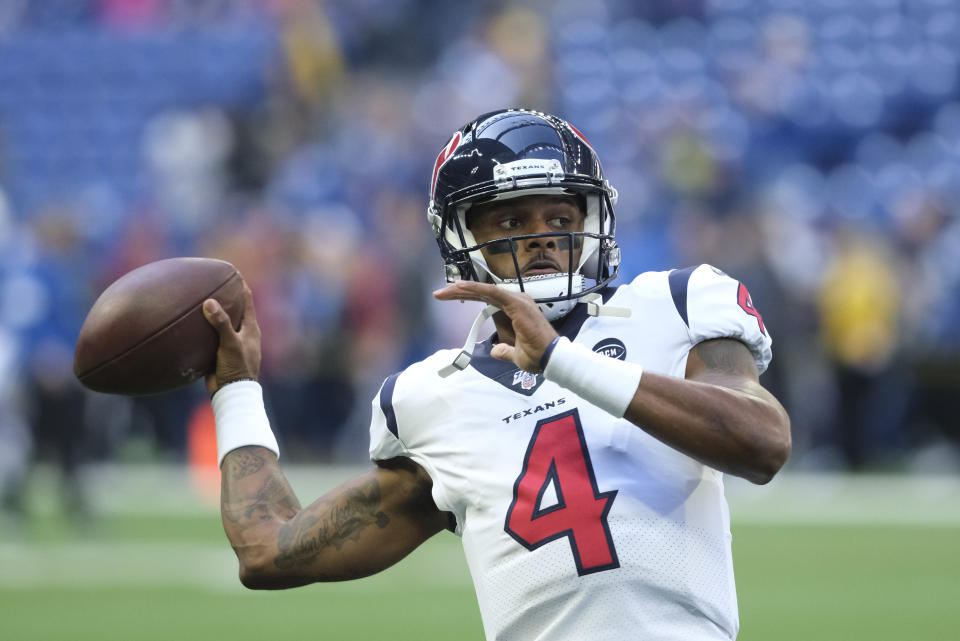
{"points": [[540, 266]]}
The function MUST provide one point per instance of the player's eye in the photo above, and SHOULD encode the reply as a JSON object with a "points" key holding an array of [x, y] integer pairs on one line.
{"points": [[510, 223]]}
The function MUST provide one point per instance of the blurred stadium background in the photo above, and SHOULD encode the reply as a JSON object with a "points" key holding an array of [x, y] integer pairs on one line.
{"points": [[808, 147]]}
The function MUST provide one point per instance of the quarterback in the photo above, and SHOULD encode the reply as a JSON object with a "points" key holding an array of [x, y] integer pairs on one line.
{"points": [[579, 452]]}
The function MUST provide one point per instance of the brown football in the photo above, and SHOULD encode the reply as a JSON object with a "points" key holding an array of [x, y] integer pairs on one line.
{"points": [[146, 332]]}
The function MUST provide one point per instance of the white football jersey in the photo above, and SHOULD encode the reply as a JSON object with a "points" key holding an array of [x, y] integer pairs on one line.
{"points": [[577, 525]]}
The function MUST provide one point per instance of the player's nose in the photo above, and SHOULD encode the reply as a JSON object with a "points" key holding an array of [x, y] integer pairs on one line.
{"points": [[544, 242], [540, 226]]}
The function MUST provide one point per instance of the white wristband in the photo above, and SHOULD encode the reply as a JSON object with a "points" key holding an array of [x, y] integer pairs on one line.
{"points": [[241, 419], [606, 382]]}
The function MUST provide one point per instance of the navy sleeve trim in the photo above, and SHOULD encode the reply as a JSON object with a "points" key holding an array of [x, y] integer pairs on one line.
{"points": [[386, 403], [679, 278]]}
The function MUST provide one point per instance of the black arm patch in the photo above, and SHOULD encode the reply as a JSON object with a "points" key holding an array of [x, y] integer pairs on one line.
{"points": [[386, 403], [679, 278]]}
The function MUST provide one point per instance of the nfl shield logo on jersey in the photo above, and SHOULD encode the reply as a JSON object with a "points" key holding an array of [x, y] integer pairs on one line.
{"points": [[526, 380]]}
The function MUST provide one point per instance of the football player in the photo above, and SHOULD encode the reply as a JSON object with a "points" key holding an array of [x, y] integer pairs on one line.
{"points": [[579, 452]]}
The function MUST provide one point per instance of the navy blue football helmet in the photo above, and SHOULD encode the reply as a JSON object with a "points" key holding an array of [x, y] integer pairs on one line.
{"points": [[517, 152]]}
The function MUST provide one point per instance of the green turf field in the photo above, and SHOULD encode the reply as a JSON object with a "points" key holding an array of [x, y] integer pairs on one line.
{"points": [[164, 576]]}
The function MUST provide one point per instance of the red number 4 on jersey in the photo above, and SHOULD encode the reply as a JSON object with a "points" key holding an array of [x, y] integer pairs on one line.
{"points": [[743, 299], [558, 454]]}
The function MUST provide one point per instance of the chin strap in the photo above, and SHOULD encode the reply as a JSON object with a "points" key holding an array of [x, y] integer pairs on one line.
{"points": [[463, 358], [597, 308], [594, 308]]}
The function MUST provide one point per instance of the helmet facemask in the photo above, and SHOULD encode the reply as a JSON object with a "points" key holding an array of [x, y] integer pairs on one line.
{"points": [[556, 293]]}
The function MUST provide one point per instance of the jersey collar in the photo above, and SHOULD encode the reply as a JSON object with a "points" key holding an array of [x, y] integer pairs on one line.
{"points": [[512, 377]]}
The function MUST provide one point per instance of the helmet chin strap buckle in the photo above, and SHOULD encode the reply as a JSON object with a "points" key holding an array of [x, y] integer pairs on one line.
{"points": [[466, 354], [458, 364], [595, 308], [462, 360], [452, 273]]}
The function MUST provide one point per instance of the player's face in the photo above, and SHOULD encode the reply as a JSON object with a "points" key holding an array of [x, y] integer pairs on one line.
{"points": [[528, 215]]}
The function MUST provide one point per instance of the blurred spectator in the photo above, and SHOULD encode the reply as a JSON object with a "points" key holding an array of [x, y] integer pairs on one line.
{"points": [[859, 309], [929, 237], [16, 439], [52, 308], [312, 54], [56, 415], [187, 156]]}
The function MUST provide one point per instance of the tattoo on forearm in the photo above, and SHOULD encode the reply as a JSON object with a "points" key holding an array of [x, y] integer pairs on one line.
{"points": [[243, 463], [324, 526], [274, 498]]}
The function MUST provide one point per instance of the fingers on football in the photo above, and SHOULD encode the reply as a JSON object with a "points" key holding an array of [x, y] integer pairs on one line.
{"points": [[249, 323], [216, 316]]}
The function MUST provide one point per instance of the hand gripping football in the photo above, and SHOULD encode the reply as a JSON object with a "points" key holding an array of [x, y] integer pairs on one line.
{"points": [[146, 332]]}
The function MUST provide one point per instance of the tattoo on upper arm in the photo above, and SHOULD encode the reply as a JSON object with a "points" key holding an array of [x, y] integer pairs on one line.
{"points": [[727, 356], [323, 525]]}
